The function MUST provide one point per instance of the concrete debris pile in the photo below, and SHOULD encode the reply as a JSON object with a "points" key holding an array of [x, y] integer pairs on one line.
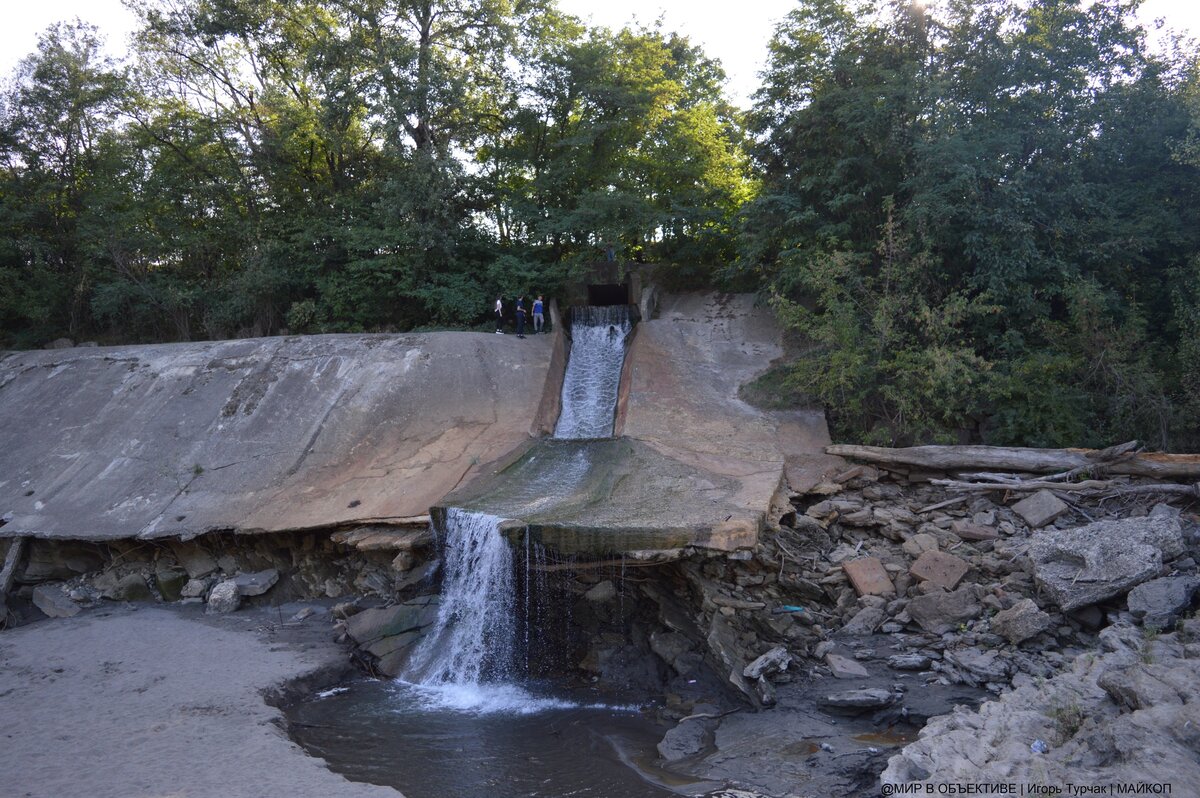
{"points": [[60, 578]]}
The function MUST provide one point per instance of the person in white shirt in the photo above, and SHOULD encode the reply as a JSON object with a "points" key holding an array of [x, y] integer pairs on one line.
{"points": [[499, 317]]}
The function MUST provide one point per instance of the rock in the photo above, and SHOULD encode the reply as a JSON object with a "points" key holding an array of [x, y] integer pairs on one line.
{"points": [[223, 598], [257, 583], [920, 543], [844, 667], [1159, 602], [53, 560], [944, 570], [972, 530], [909, 662], [1091, 563], [196, 561], [1021, 621], [1109, 718], [194, 588], [939, 612], [601, 592], [419, 575], [669, 646], [865, 621], [976, 666], [170, 579], [868, 577], [131, 587], [60, 343], [404, 561], [687, 738], [1139, 686], [372, 624], [867, 698], [1040, 508], [823, 648], [51, 600], [777, 659], [304, 613]]}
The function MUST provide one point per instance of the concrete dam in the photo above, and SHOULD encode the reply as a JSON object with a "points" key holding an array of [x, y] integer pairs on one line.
{"points": [[363, 434]]}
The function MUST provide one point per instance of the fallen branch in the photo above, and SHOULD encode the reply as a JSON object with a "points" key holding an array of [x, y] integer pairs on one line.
{"points": [[1061, 463], [1090, 487]]}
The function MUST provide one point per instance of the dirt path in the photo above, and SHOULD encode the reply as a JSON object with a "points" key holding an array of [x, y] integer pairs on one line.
{"points": [[134, 703]]}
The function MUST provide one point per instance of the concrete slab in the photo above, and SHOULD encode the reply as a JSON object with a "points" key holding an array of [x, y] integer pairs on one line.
{"points": [[257, 435]]}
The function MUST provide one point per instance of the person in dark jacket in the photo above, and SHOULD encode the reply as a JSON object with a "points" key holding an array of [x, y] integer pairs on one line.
{"points": [[520, 317]]}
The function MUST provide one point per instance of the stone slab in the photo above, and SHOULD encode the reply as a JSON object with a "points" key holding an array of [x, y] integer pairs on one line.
{"points": [[51, 600], [969, 530], [1040, 508], [256, 435], [868, 577], [944, 570], [844, 667]]}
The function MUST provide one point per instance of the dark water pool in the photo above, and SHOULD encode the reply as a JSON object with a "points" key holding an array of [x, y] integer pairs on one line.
{"points": [[503, 742]]}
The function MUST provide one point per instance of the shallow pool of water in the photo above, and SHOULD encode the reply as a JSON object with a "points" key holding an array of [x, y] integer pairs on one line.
{"points": [[507, 743]]}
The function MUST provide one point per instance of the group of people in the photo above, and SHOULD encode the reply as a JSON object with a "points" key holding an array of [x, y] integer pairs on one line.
{"points": [[538, 316]]}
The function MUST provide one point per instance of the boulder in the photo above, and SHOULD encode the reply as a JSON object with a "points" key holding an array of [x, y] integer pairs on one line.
{"points": [[1159, 602], [1040, 508], [171, 579], [669, 645], [257, 583], [51, 600], [687, 738], [941, 612], [422, 573], [194, 588], [373, 624], [1088, 564], [130, 587], [1021, 621], [601, 592], [223, 598], [196, 561]]}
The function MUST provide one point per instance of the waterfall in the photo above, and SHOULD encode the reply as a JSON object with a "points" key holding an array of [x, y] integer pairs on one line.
{"points": [[593, 376], [471, 641]]}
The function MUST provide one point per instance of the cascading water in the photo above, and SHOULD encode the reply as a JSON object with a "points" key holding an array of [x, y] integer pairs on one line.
{"points": [[471, 641], [466, 659], [593, 376]]}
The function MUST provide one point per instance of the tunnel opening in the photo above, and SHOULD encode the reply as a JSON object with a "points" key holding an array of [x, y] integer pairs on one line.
{"points": [[608, 294]]}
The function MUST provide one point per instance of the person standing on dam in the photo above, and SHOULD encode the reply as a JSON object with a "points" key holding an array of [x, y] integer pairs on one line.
{"points": [[520, 317], [538, 315], [499, 316]]}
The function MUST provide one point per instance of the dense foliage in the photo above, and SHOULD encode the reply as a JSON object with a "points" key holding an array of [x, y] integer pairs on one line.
{"points": [[983, 222], [344, 165], [987, 222]]}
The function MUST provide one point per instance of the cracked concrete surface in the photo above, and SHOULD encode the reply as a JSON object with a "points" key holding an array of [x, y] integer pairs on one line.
{"points": [[258, 435]]}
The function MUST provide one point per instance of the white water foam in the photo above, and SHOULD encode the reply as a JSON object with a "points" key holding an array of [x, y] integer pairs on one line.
{"points": [[593, 375]]}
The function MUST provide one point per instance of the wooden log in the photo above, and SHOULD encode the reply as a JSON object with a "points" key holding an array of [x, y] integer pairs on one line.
{"points": [[1115, 460]]}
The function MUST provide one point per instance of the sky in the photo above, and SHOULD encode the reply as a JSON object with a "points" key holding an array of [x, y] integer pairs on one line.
{"points": [[735, 32]]}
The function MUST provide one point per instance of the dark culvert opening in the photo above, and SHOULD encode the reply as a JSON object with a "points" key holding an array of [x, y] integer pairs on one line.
{"points": [[608, 294]]}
